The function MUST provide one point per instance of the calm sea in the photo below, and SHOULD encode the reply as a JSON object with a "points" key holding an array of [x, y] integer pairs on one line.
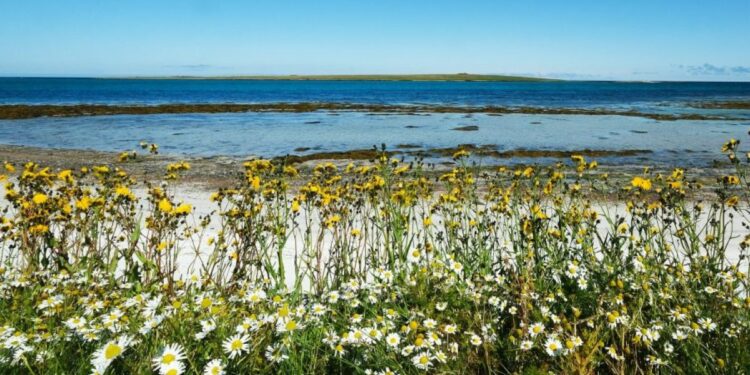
{"points": [[683, 143], [551, 94]]}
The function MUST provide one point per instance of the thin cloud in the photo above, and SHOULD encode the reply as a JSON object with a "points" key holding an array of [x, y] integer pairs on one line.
{"points": [[192, 66], [714, 70]]}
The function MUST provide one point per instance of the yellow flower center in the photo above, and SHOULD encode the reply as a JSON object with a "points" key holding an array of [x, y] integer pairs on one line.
{"points": [[168, 358], [291, 325], [112, 351]]}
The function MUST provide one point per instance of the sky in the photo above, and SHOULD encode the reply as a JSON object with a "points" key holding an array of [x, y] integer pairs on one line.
{"points": [[605, 39]]}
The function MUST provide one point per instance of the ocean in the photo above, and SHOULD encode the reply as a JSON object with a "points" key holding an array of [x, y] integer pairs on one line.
{"points": [[683, 142], [546, 94]]}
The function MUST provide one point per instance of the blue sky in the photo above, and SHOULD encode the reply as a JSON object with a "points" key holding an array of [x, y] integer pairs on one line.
{"points": [[606, 39]]}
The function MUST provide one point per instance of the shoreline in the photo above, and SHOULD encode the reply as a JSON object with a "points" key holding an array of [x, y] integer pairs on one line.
{"points": [[208, 173], [28, 111]]}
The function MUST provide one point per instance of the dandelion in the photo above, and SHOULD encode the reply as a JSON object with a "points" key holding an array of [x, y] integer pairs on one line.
{"points": [[40, 199], [183, 209], [641, 183], [165, 206]]}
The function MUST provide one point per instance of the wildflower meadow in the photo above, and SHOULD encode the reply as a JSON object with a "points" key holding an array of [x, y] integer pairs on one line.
{"points": [[375, 268]]}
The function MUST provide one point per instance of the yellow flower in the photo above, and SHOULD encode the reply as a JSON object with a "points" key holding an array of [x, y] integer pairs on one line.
{"points": [[732, 201], [622, 228], [123, 191], [528, 172], [731, 180], [39, 229], [66, 175], [331, 221], [538, 212], [39, 198], [255, 182], [183, 209], [165, 206], [461, 154], [10, 168], [83, 203], [641, 183]]}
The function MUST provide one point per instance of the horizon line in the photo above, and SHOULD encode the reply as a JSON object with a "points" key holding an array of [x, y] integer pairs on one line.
{"points": [[343, 77]]}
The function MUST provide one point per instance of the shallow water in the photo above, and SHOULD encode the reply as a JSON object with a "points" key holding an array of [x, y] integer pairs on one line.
{"points": [[683, 143]]}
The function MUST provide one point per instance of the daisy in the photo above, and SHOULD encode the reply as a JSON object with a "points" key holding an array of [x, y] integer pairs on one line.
{"points": [[535, 329], [171, 354], [429, 323], [374, 333], [393, 340], [236, 345], [475, 340], [526, 345], [207, 326], [318, 309], [287, 325], [422, 361], [276, 353], [553, 346], [333, 297], [414, 256], [387, 371], [339, 351], [214, 367], [450, 329], [109, 352], [175, 368], [257, 295]]}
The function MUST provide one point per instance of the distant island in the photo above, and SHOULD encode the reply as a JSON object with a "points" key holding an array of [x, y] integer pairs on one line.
{"points": [[460, 77]]}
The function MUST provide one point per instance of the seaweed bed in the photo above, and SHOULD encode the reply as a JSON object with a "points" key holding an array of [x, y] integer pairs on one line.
{"points": [[722, 105], [23, 111], [479, 150]]}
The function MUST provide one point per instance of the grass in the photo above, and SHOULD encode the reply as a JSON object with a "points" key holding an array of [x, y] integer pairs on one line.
{"points": [[460, 77], [374, 268]]}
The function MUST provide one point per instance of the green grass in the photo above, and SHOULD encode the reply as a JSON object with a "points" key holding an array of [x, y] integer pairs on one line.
{"points": [[375, 77]]}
